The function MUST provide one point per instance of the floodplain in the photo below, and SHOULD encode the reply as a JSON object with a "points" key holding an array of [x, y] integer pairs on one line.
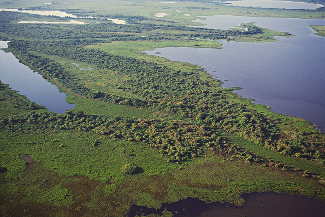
{"points": [[145, 130]]}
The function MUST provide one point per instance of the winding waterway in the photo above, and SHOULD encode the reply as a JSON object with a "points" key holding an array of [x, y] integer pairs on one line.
{"points": [[30, 83], [288, 75]]}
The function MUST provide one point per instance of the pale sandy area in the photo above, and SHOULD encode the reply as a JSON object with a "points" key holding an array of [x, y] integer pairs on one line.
{"points": [[160, 14], [46, 22], [117, 21], [48, 13]]}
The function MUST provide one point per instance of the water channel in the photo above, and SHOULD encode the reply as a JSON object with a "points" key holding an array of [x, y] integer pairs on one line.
{"points": [[268, 204], [287, 75], [30, 83]]}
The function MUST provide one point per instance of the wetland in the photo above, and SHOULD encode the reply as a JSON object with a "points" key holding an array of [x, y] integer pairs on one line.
{"points": [[287, 75], [31, 84], [149, 135]]}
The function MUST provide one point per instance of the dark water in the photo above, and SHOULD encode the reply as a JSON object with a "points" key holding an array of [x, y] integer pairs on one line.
{"points": [[31, 84], [256, 205], [288, 75]]}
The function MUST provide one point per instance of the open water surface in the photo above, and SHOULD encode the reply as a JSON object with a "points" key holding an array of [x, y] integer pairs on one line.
{"points": [[30, 83], [288, 75], [267, 204]]}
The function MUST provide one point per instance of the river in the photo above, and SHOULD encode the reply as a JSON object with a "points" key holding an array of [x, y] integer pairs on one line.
{"points": [[267, 204], [287, 75], [30, 83]]}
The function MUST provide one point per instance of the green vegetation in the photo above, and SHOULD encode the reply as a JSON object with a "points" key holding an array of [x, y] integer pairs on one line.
{"points": [[129, 169], [263, 35], [320, 30], [94, 107], [145, 130]]}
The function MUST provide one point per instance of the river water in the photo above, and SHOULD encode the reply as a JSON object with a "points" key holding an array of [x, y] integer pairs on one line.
{"points": [[288, 75], [267, 204], [31, 84]]}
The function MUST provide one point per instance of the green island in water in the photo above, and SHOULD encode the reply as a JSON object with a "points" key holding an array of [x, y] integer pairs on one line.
{"points": [[145, 130]]}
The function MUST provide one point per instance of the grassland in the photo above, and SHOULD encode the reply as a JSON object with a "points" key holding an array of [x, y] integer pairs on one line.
{"points": [[59, 185], [320, 30], [70, 162], [185, 135]]}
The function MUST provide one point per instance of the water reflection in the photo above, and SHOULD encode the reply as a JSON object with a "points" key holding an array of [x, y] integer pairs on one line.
{"points": [[31, 84]]}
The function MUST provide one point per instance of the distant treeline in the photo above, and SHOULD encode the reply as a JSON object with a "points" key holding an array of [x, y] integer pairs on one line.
{"points": [[111, 31]]}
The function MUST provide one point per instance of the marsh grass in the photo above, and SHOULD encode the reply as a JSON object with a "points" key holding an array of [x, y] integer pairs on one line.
{"points": [[320, 30], [209, 178], [93, 107], [277, 157]]}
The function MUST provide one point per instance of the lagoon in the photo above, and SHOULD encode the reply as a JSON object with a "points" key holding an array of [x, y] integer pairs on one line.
{"points": [[30, 83], [287, 75]]}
